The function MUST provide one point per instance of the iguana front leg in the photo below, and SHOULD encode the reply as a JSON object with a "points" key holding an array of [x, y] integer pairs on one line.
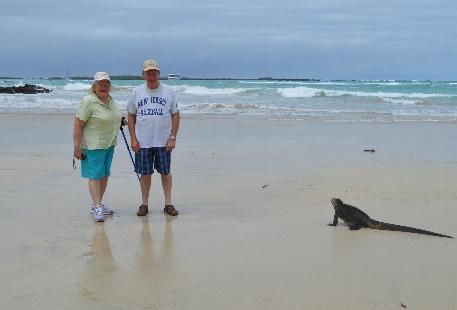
{"points": [[335, 220]]}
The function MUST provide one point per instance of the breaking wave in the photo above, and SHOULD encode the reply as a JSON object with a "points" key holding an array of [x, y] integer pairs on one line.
{"points": [[200, 90], [76, 86], [308, 92]]}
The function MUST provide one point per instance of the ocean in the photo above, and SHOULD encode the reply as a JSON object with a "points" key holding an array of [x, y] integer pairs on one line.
{"points": [[372, 101]]}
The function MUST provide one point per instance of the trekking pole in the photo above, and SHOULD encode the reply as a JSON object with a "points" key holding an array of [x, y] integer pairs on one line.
{"points": [[128, 149]]}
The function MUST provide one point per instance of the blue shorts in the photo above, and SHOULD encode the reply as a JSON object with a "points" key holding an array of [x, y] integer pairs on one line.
{"points": [[158, 158], [97, 163]]}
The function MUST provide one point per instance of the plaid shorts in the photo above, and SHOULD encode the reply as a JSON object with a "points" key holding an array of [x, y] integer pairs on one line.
{"points": [[158, 158]]}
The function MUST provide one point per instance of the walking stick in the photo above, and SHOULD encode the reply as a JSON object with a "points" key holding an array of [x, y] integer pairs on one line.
{"points": [[128, 149]]}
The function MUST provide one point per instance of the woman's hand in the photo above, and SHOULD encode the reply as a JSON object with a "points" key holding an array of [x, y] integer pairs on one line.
{"points": [[124, 122], [77, 134], [77, 153]]}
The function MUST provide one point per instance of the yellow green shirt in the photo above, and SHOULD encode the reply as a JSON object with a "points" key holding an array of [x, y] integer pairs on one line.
{"points": [[102, 122]]}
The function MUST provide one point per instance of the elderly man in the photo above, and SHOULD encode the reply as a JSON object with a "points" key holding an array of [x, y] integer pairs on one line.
{"points": [[153, 125]]}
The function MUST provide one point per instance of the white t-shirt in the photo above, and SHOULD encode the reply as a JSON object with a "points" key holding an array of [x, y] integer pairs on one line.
{"points": [[153, 109]]}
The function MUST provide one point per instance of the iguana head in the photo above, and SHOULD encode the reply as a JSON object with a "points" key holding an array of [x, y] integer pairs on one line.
{"points": [[336, 202]]}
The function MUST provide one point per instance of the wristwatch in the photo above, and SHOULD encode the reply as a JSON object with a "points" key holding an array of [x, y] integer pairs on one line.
{"points": [[172, 138]]}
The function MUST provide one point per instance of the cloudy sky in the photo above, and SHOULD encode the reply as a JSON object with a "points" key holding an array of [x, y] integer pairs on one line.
{"points": [[327, 39]]}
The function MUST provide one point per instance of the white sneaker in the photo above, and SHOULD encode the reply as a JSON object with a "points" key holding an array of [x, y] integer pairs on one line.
{"points": [[105, 209], [99, 214]]}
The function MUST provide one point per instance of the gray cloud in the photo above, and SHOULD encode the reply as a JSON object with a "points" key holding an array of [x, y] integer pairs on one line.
{"points": [[326, 39]]}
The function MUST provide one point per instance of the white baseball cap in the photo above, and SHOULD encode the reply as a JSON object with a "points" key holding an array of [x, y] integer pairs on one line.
{"points": [[100, 76], [150, 64]]}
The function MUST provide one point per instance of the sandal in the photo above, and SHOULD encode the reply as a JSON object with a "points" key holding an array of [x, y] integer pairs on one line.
{"points": [[170, 209], [143, 210]]}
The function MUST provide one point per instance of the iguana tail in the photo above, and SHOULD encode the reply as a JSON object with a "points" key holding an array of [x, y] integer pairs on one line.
{"points": [[393, 227]]}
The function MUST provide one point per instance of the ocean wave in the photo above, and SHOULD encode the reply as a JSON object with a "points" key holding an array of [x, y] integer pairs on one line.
{"points": [[201, 90], [11, 83], [401, 101], [307, 92], [389, 95], [304, 92], [296, 82], [331, 99], [381, 83], [76, 86], [341, 83], [221, 107], [121, 89], [293, 112], [23, 102]]}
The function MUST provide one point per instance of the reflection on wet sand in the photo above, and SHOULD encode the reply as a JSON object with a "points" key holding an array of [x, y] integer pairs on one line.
{"points": [[100, 267], [149, 283], [150, 262], [155, 276], [145, 255]]}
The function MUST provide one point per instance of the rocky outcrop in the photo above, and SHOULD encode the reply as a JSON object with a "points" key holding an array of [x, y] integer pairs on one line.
{"points": [[26, 89]]}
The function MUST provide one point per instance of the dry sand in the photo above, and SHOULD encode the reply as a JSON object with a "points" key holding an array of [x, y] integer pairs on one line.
{"points": [[254, 200]]}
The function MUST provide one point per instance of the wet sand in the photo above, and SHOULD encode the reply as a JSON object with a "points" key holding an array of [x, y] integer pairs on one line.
{"points": [[254, 201]]}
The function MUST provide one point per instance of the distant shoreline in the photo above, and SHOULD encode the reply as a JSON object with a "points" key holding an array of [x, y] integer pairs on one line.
{"points": [[273, 79], [134, 77]]}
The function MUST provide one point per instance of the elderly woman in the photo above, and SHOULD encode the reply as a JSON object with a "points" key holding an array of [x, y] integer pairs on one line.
{"points": [[94, 136]]}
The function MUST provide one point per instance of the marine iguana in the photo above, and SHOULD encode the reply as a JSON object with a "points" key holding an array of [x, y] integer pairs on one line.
{"points": [[356, 219]]}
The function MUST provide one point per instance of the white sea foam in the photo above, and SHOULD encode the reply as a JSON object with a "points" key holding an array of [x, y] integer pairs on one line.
{"points": [[296, 92], [200, 90], [10, 83], [307, 92], [382, 83], [77, 86], [341, 100], [24, 103], [221, 106], [294, 83], [401, 101], [388, 95]]}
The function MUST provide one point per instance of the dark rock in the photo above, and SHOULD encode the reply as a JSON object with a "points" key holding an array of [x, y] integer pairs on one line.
{"points": [[26, 89]]}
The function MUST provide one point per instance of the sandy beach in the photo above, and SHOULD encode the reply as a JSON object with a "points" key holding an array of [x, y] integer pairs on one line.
{"points": [[254, 201]]}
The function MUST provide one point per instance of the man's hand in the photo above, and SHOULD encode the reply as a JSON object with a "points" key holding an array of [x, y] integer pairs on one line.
{"points": [[171, 144], [135, 145]]}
